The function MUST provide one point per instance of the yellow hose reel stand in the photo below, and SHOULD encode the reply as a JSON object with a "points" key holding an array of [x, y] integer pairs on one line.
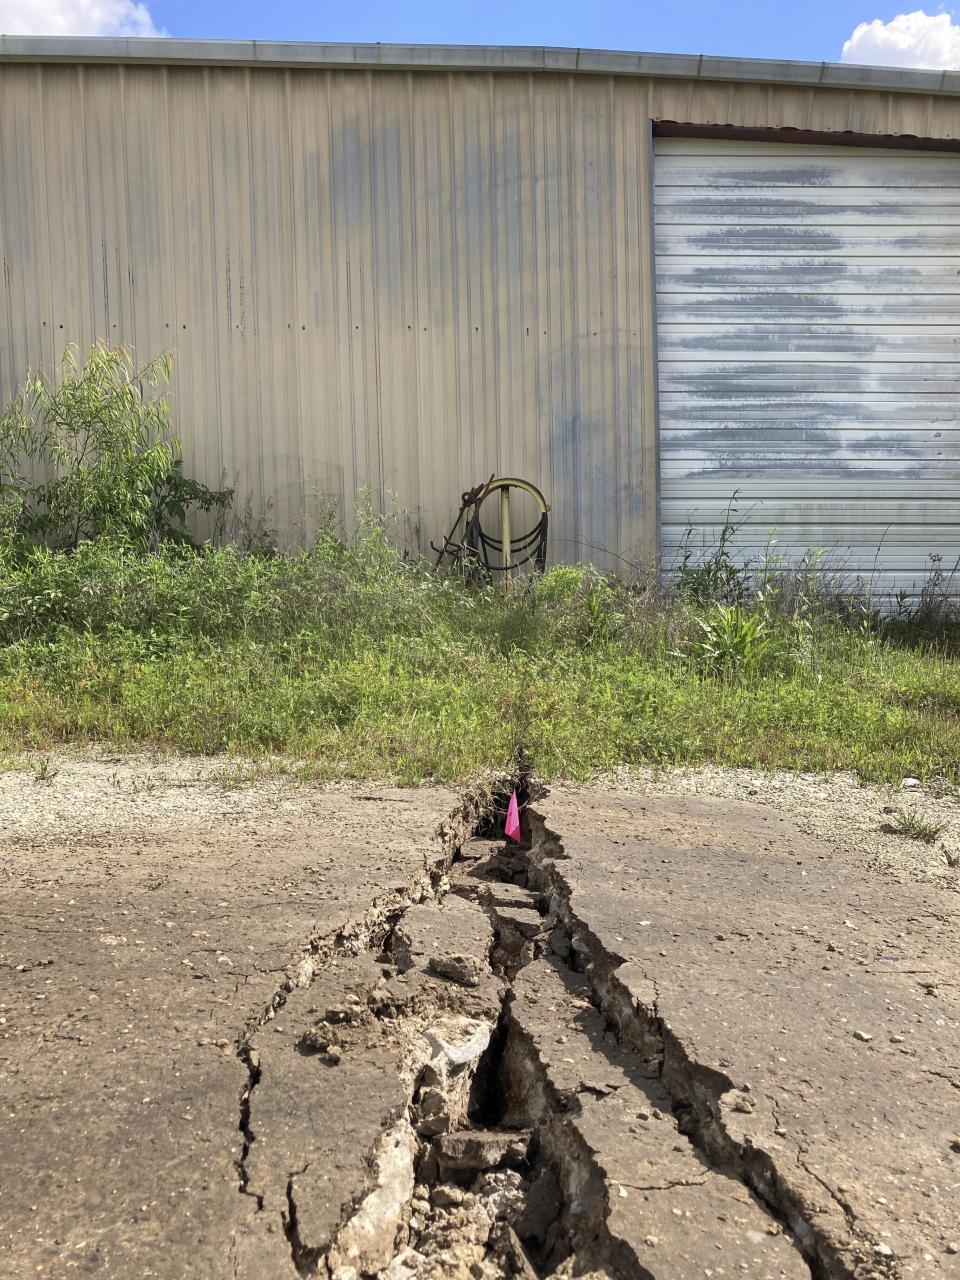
{"points": [[483, 550]]}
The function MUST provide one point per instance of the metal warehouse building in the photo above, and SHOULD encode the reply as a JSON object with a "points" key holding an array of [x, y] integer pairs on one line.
{"points": [[641, 281]]}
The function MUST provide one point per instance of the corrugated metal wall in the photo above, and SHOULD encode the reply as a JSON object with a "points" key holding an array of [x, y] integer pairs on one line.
{"points": [[808, 310], [374, 281]]}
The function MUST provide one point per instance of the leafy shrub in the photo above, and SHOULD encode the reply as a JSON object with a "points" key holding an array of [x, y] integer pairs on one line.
{"points": [[91, 456]]}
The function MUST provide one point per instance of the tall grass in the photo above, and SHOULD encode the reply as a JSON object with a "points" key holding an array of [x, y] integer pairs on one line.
{"points": [[362, 662]]}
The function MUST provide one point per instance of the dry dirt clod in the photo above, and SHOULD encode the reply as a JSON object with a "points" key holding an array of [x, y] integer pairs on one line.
{"points": [[446, 1196], [474, 1151]]}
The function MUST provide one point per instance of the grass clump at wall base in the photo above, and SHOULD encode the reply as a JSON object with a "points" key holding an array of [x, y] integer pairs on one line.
{"points": [[363, 663]]}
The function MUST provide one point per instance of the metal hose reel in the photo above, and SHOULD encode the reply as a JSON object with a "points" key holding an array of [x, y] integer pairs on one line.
{"points": [[501, 551]]}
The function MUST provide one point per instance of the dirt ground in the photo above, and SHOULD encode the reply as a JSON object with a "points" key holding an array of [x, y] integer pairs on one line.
{"points": [[264, 1030]]}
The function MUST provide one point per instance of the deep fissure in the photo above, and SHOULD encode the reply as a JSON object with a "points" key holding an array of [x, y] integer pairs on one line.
{"points": [[246, 1056], [304, 1259], [481, 1180], [692, 1101]]}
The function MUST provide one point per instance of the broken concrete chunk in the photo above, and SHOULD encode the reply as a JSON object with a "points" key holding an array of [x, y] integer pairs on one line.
{"points": [[523, 920], [473, 1150], [449, 1079], [641, 990], [458, 1051], [557, 1063], [451, 941], [701, 1218], [368, 1240], [551, 1009], [506, 894], [458, 967], [345, 1110]]}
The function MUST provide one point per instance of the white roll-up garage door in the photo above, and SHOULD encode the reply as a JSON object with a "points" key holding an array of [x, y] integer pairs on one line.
{"points": [[808, 316]]}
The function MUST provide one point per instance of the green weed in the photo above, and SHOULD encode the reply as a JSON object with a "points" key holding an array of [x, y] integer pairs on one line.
{"points": [[44, 771], [733, 641], [916, 826], [352, 660]]}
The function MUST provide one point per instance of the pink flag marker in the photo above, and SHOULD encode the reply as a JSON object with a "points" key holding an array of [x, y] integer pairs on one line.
{"points": [[512, 824]]}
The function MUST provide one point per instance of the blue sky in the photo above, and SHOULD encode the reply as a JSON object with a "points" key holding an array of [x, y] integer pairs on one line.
{"points": [[813, 29], [866, 31]]}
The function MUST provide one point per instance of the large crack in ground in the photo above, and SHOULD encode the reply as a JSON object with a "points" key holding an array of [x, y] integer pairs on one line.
{"points": [[527, 1110], [315, 954], [364, 934], [628, 1001]]}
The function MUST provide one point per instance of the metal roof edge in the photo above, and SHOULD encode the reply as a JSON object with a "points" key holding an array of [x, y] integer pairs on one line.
{"points": [[149, 50]]}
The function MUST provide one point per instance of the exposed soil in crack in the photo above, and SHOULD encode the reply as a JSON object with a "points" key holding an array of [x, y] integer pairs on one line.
{"points": [[513, 1100], [499, 1155], [696, 1095], [483, 1059]]}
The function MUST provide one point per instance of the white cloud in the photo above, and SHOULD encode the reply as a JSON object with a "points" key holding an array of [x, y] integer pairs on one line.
{"points": [[909, 40], [75, 18]]}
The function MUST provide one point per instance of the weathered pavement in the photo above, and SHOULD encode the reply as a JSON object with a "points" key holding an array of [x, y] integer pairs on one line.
{"points": [[666, 1038], [128, 975], [807, 1013]]}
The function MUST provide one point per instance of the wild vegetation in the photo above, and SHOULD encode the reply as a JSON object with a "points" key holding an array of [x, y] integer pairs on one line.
{"points": [[916, 826], [349, 658], [92, 456]]}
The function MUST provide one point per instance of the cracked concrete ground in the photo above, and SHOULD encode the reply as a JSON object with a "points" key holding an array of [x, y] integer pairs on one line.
{"points": [[279, 1034], [809, 1010], [132, 957]]}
